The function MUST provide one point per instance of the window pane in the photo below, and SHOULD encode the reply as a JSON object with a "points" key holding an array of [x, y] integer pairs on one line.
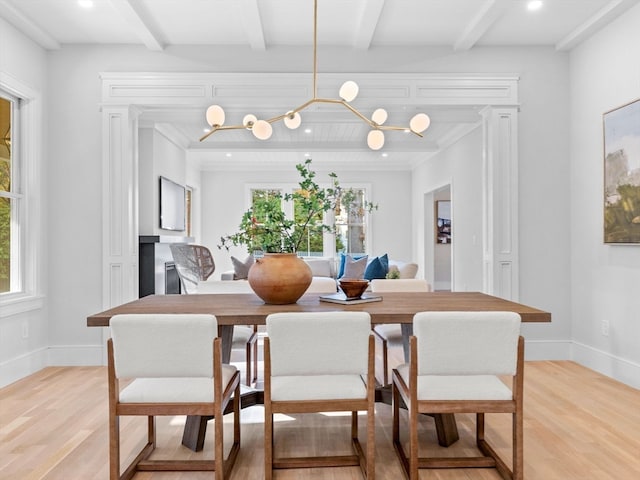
{"points": [[312, 241], [5, 144], [273, 198], [350, 222], [5, 187], [5, 244]]}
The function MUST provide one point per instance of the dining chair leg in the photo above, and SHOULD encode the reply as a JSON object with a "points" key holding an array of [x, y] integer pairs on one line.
{"points": [[413, 443], [114, 448], [249, 364]]}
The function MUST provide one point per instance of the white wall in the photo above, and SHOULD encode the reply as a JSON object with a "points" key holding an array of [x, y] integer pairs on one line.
{"points": [[605, 279], [23, 62], [75, 238], [460, 167], [544, 196], [224, 201], [551, 233]]}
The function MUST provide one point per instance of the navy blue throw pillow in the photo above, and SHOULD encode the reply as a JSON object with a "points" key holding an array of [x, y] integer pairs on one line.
{"points": [[377, 268]]}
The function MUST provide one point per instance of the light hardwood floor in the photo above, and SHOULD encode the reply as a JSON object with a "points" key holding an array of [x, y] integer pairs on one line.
{"points": [[579, 425]]}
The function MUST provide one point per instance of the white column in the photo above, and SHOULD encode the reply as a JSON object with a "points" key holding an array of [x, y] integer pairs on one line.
{"points": [[500, 202], [119, 204]]}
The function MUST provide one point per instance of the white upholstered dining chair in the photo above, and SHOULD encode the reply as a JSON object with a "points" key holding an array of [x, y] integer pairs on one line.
{"points": [[170, 365], [320, 362], [390, 334], [456, 359], [194, 264]]}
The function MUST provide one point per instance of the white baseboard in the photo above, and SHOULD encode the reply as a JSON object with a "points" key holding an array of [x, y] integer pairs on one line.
{"points": [[607, 364], [75, 355], [22, 366], [56, 356], [547, 350]]}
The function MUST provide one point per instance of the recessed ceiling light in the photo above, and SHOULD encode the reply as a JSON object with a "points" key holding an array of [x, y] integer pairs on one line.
{"points": [[534, 5], [385, 155], [206, 130], [307, 155], [307, 130], [228, 155], [85, 3]]}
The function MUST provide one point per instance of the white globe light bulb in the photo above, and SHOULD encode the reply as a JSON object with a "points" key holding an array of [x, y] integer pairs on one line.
{"points": [[292, 120], [419, 123], [348, 90], [215, 116], [375, 139], [262, 130], [249, 120], [379, 116]]}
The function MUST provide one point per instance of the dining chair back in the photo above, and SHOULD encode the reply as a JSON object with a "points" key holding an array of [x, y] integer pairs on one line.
{"points": [[456, 361], [320, 362], [171, 364]]}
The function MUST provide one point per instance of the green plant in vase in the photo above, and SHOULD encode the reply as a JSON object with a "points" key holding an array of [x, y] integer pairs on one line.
{"points": [[265, 227], [281, 277]]}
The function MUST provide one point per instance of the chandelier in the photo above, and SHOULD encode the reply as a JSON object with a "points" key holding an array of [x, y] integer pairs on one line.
{"points": [[262, 129]]}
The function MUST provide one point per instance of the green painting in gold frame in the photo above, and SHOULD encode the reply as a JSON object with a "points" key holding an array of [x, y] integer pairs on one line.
{"points": [[622, 174]]}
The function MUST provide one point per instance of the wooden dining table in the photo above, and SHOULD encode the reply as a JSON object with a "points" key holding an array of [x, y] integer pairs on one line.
{"points": [[249, 309]]}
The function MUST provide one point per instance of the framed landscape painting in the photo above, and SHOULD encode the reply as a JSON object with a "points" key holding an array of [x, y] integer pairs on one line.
{"points": [[622, 174], [443, 221]]}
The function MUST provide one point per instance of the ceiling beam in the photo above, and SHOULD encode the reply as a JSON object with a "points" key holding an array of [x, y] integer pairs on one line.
{"points": [[602, 17], [138, 23], [250, 15], [369, 18], [489, 12], [24, 24]]}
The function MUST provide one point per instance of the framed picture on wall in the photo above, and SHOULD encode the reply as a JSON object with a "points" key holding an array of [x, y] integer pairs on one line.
{"points": [[443, 221], [621, 128]]}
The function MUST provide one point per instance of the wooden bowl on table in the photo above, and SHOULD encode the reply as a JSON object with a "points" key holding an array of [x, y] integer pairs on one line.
{"points": [[353, 287]]}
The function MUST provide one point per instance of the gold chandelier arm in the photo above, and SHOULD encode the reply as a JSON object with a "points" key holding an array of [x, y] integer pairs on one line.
{"points": [[206, 135], [372, 123], [404, 129], [225, 127]]}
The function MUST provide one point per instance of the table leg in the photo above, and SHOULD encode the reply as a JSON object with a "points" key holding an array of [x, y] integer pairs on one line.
{"points": [[446, 427], [196, 426]]}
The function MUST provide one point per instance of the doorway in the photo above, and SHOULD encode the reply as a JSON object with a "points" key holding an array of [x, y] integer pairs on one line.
{"points": [[438, 238]]}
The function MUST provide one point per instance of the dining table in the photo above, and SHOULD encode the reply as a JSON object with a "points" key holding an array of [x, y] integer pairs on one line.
{"points": [[249, 309]]}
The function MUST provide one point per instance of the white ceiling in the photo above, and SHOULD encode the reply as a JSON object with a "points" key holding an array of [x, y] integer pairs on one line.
{"points": [[258, 26]]}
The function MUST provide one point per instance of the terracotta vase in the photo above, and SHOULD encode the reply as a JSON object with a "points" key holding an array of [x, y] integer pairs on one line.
{"points": [[279, 278]]}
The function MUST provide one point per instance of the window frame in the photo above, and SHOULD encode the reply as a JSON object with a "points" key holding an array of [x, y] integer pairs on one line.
{"points": [[329, 239], [28, 183]]}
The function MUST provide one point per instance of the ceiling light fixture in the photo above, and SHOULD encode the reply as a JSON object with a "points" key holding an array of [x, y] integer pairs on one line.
{"points": [[85, 3], [262, 129], [534, 5]]}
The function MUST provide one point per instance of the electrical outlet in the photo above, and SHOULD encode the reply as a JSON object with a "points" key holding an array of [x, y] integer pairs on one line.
{"points": [[605, 328], [25, 329]]}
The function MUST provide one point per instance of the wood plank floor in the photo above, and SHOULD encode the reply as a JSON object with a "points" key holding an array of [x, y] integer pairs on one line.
{"points": [[578, 425]]}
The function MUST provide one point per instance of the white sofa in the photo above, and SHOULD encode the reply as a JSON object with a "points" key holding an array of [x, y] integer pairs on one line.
{"points": [[326, 267], [318, 285]]}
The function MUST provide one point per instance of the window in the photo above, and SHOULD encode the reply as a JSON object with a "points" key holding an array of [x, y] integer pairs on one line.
{"points": [[10, 197], [351, 222], [350, 219], [272, 196], [21, 242], [188, 207]]}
